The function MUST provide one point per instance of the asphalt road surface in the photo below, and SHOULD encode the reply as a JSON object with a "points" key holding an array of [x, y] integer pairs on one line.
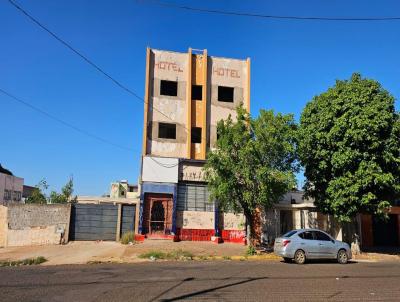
{"points": [[203, 281]]}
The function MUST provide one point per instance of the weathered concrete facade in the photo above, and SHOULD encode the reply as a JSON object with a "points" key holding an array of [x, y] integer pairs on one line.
{"points": [[29, 224], [200, 91], [186, 94]]}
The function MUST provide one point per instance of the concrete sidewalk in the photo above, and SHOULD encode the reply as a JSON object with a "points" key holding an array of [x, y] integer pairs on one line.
{"points": [[82, 252]]}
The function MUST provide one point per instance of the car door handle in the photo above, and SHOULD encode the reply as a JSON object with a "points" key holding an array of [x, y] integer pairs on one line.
{"points": [[321, 244]]}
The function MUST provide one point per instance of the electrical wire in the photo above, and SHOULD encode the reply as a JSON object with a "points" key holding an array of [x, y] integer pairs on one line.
{"points": [[67, 124], [277, 17], [77, 129], [83, 57], [89, 61]]}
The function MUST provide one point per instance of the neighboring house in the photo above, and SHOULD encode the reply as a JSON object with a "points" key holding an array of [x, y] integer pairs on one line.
{"points": [[186, 94], [27, 192], [293, 211], [10, 187], [122, 189], [121, 192]]}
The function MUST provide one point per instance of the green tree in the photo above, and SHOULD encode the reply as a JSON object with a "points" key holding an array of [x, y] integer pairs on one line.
{"points": [[350, 149], [253, 163], [66, 194], [38, 196]]}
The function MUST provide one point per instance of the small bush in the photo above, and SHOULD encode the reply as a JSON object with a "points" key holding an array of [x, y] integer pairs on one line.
{"points": [[227, 258], [180, 255], [128, 237], [173, 255], [28, 261], [251, 250], [153, 255]]}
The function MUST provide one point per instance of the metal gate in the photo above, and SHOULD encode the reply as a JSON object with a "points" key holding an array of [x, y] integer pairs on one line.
{"points": [[128, 218], [93, 222]]}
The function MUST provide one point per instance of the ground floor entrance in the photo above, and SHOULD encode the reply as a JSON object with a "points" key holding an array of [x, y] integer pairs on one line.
{"points": [[157, 214]]}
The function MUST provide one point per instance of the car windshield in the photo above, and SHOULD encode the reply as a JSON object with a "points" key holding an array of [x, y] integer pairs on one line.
{"points": [[289, 234]]}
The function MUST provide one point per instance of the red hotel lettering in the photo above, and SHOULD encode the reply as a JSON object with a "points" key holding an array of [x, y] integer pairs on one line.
{"points": [[226, 72], [168, 66]]}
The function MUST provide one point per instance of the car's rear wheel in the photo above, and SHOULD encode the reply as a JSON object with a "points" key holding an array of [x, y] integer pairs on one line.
{"points": [[342, 257], [287, 260], [300, 257]]}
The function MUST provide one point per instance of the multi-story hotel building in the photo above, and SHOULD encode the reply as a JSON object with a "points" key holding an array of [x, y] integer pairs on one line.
{"points": [[186, 94]]}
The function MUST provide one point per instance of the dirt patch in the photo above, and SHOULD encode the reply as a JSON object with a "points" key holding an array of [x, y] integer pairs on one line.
{"points": [[196, 248]]}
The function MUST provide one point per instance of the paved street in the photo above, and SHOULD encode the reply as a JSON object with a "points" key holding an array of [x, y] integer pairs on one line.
{"points": [[218, 280]]}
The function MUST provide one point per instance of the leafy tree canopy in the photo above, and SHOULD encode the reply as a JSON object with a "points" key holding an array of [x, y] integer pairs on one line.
{"points": [[253, 162], [39, 196], [65, 195], [350, 149]]}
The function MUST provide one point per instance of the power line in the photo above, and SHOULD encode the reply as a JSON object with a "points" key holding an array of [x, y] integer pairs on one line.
{"points": [[277, 17], [63, 122], [83, 57], [77, 129], [87, 60]]}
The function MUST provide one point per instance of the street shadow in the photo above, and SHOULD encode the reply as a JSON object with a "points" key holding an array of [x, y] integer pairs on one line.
{"points": [[205, 291], [171, 288]]}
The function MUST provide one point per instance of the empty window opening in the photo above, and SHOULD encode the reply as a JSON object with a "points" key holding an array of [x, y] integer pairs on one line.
{"points": [[225, 94], [167, 130], [169, 88], [196, 135], [197, 92]]}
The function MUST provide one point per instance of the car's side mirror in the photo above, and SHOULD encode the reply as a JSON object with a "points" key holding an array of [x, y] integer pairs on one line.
{"points": [[333, 241]]}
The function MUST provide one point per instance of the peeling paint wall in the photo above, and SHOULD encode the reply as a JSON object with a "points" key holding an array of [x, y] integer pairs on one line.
{"points": [[169, 66], [195, 220], [191, 172], [173, 66], [233, 221], [229, 73]]}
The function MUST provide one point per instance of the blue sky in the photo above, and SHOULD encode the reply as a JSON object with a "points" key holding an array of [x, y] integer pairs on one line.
{"points": [[291, 62]]}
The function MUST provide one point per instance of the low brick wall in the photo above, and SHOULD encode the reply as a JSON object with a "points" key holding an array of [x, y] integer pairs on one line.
{"points": [[31, 224]]}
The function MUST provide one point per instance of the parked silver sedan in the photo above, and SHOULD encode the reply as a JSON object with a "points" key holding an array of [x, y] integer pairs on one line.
{"points": [[304, 244]]}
